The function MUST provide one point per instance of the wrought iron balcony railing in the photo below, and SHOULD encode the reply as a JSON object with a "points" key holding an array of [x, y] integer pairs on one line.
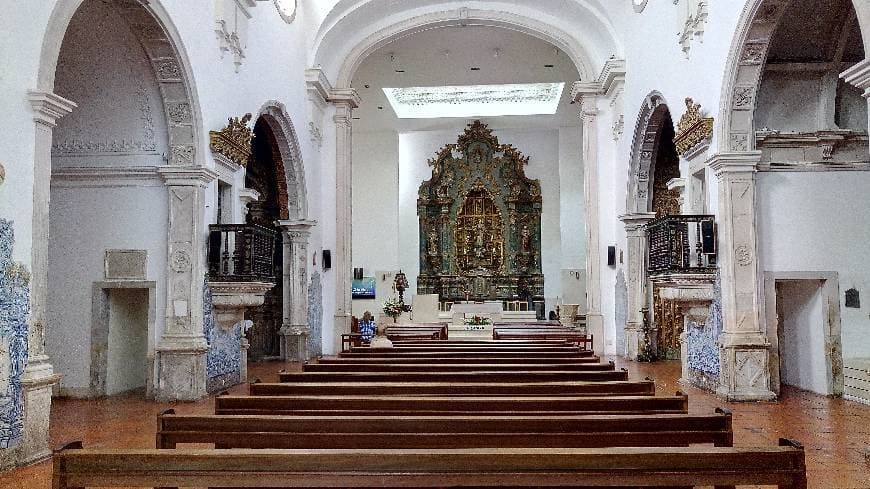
{"points": [[241, 253], [682, 244]]}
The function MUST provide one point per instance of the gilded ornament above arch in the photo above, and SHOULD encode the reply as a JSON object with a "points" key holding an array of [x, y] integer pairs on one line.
{"points": [[693, 128], [234, 140]]}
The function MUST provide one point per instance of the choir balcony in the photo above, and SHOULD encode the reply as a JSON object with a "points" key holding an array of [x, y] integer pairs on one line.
{"points": [[681, 244], [241, 253]]}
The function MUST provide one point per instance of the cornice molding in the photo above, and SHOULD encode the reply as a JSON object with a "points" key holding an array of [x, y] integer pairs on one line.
{"points": [[49, 107], [186, 176]]}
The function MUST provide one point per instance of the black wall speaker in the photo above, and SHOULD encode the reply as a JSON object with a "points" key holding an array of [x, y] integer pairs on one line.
{"points": [[327, 259], [708, 237], [357, 273], [611, 256]]}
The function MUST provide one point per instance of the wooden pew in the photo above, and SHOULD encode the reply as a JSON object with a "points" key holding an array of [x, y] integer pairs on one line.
{"points": [[443, 432], [530, 350], [373, 405], [478, 377], [782, 466], [400, 353], [454, 367], [456, 360], [636, 388]]}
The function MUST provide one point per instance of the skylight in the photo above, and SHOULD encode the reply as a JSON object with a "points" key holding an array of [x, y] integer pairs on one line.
{"points": [[475, 100]]}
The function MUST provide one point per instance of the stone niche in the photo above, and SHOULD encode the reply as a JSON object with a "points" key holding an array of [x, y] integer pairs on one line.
{"points": [[480, 222]]}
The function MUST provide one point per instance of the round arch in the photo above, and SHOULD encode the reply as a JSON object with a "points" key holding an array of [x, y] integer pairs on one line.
{"points": [[745, 66], [151, 24], [356, 28], [274, 114], [647, 134]]}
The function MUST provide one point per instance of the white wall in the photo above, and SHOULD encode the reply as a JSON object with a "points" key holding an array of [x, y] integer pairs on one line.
{"points": [[802, 340], [85, 222], [818, 221], [126, 362]]}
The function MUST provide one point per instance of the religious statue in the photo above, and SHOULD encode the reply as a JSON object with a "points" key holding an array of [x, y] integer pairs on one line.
{"points": [[401, 283], [433, 242], [525, 239]]}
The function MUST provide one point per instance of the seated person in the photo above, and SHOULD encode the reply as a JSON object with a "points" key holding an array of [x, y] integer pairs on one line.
{"points": [[367, 327]]}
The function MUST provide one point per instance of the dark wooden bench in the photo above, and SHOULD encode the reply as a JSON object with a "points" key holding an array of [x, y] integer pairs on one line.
{"points": [[581, 339], [637, 388], [456, 367], [395, 360], [782, 466], [400, 353], [478, 377], [528, 348], [443, 432], [373, 405]]}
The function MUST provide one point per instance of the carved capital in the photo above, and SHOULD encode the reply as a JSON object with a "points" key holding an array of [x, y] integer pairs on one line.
{"points": [[49, 107], [190, 176]]}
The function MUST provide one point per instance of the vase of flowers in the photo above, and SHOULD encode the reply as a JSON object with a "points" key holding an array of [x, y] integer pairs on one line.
{"points": [[393, 308], [477, 323]]}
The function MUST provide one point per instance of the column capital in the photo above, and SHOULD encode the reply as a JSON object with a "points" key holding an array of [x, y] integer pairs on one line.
{"points": [[344, 96], [636, 219], [300, 228], [586, 94], [859, 76], [742, 162], [186, 176], [49, 107]]}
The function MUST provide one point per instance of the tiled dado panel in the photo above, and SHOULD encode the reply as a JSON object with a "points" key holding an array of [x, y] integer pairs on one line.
{"points": [[224, 357], [14, 308]]}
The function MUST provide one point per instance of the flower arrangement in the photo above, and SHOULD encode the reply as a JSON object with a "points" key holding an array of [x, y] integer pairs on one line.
{"points": [[475, 323], [393, 307]]}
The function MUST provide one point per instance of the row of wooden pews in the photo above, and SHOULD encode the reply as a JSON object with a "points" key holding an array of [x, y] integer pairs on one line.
{"points": [[541, 331], [518, 413]]}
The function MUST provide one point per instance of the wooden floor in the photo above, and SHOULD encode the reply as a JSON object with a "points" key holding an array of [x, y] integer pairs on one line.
{"points": [[836, 433]]}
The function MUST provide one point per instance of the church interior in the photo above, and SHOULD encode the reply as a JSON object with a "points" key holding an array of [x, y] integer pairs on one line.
{"points": [[430, 243]]}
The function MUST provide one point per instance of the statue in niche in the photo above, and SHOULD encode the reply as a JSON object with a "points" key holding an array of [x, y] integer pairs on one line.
{"points": [[526, 239], [433, 242], [479, 248]]}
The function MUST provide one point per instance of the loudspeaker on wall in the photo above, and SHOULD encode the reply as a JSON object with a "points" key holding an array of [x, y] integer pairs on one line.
{"points": [[327, 259], [611, 256]]}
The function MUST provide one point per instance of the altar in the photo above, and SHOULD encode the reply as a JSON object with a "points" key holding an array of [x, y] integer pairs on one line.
{"points": [[491, 310]]}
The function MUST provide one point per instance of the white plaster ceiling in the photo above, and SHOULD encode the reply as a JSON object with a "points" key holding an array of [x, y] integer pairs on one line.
{"points": [[446, 56]]}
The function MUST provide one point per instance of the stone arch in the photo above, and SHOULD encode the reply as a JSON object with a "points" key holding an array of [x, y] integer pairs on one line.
{"points": [[274, 114], [745, 67], [160, 40], [347, 37], [647, 134]]}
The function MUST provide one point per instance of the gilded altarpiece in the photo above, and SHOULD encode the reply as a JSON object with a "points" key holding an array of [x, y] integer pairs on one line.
{"points": [[480, 222]]}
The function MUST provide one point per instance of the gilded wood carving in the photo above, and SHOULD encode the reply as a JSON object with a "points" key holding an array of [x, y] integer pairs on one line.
{"points": [[480, 222]]}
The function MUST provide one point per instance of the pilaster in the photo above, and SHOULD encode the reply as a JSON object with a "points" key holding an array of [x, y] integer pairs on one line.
{"points": [[295, 328], [344, 100], [587, 94], [637, 279], [744, 355], [180, 353], [39, 377]]}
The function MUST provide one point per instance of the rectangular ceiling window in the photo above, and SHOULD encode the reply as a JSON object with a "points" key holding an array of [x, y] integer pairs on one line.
{"points": [[475, 100]]}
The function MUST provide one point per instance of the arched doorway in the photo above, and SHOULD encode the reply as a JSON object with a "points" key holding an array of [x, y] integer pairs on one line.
{"points": [[265, 174], [110, 206], [788, 128]]}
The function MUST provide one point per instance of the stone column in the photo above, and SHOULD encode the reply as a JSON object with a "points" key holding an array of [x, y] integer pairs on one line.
{"points": [[587, 95], [637, 279], [39, 377], [744, 356], [345, 100], [180, 353], [859, 76], [295, 329]]}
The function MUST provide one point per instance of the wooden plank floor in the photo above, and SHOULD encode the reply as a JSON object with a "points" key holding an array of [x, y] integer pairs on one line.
{"points": [[836, 433]]}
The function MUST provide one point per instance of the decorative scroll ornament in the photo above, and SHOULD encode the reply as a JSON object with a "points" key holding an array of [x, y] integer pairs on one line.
{"points": [[234, 141], [693, 128]]}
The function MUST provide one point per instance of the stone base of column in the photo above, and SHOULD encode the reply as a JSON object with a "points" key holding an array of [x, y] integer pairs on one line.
{"points": [[342, 326], [684, 359], [36, 384], [181, 373], [595, 327], [243, 360], [294, 343], [633, 342], [744, 367]]}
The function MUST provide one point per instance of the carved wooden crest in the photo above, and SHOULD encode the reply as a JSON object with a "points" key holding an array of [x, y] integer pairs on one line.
{"points": [[234, 141], [693, 128]]}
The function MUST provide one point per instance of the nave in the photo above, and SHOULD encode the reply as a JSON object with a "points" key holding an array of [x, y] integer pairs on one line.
{"points": [[834, 432]]}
